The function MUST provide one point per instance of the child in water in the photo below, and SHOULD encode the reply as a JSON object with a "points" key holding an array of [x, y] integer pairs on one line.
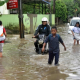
{"points": [[2, 32], [53, 40], [76, 32]]}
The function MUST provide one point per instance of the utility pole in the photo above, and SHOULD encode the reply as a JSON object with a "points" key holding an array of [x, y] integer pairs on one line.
{"points": [[21, 19], [50, 15], [54, 11], [54, 6]]}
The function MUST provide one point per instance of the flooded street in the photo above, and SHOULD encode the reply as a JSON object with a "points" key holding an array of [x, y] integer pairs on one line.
{"points": [[20, 61]]}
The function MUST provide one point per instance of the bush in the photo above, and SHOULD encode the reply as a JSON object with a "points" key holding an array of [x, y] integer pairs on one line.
{"points": [[13, 28]]}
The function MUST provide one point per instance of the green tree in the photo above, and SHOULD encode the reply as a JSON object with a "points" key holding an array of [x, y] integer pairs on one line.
{"points": [[3, 2], [67, 1], [61, 10], [29, 8], [72, 7], [78, 2]]}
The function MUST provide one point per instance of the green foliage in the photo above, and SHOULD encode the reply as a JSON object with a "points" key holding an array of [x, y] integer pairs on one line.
{"points": [[78, 2], [29, 8], [61, 10], [13, 28], [3, 2], [64, 8], [6, 1], [67, 1], [73, 7], [52, 2]]}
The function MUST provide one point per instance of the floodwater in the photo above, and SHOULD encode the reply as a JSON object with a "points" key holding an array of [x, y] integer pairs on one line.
{"points": [[20, 62]]}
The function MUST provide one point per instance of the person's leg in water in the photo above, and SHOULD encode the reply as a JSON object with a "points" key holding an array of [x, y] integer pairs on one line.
{"points": [[56, 59], [77, 42], [51, 56], [0, 54], [36, 45], [1, 49], [74, 41]]}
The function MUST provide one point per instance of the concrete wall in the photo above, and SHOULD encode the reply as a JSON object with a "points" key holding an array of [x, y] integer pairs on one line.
{"points": [[31, 21]]}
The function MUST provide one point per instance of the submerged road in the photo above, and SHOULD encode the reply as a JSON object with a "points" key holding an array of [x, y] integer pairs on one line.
{"points": [[20, 61]]}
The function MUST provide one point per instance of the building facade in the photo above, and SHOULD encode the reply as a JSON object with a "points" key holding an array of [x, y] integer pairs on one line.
{"points": [[3, 9]]}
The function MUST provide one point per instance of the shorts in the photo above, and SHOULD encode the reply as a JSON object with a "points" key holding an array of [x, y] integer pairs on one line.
{"points": [[1, 47], [74, 37]]}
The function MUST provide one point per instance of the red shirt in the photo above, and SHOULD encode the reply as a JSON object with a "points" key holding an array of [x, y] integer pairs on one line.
{"points": [[3, 32]]}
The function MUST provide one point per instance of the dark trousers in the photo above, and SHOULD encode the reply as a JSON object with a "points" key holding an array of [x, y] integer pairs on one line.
{"points": [[36, 45], [51, 57]]}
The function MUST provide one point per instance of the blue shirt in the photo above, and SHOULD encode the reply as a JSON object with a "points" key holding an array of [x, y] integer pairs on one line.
{"points": [[54, 43]]}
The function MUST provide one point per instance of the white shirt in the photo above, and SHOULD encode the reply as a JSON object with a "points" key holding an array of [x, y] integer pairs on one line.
{"points": [[76, 30]]}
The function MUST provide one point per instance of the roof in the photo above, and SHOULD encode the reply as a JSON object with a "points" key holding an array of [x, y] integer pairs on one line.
{"points": [[40, 1]]}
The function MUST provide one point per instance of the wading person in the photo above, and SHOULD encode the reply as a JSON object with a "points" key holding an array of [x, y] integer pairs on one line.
{"points": [[44, 28], [2, 37], [53, 40], [76, 33]]}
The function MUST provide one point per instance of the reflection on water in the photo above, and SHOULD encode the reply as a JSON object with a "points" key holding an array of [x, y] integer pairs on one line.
{"points": [[20, 62]]}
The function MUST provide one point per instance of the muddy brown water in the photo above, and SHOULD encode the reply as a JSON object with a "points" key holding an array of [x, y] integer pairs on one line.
{"points": [[20, 62]]}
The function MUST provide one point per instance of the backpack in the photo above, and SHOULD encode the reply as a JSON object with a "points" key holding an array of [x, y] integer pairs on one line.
{"points": [[51, 35], [1, 31], [2, 36]]}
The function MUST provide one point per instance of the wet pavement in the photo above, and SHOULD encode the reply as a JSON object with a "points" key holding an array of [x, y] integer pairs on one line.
{"points": [[20, 62]]}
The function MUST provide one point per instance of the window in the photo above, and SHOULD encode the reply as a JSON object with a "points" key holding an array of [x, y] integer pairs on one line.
{"points": [[73, 22]]}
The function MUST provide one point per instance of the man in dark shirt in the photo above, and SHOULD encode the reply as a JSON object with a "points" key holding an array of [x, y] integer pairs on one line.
{"points": [[53, 40], [44, 28]]}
